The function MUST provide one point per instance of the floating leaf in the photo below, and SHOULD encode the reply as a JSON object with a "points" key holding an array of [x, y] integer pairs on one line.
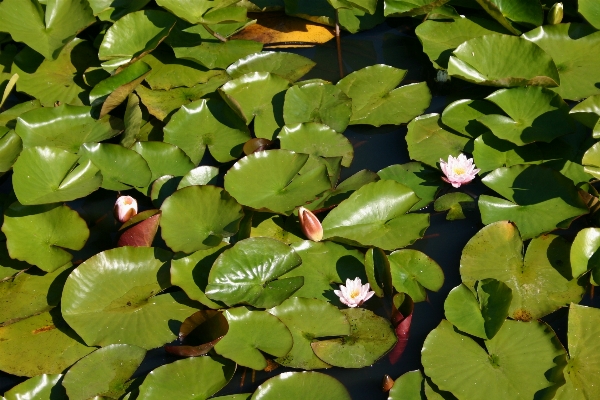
{"points": [[408, 8], [252, 333], [104, 372], [342, 191], [203, 175], [286, 230], [505, 61], [309, 319], [376, 100], [377, 267], [588, 111], [205, 11], [218, 54], [250, 273], [10, 148], [318, 140], [490, 153], [408, 387], [583, 253], [9, 117], [112, 10], [463, 116], [376, 215], [456, 203], [123, 305], [289, 66], [541, 281], [39, 235], [423, 180], [200, 332], [528, 13], [301, 385], [590, 11], [198, 218], [413, 272], [8, 266], [43, 387]]}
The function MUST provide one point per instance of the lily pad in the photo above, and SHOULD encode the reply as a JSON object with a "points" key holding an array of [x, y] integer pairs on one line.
{"points": [[195, 378], [584, 253], [541, 281], [527, 13], [318, 140], [408, 387], [308, 320], [371, 337], [456, 363], [269, 180], [574, 48], [463, 116], [377, 267], [413, 272], [588, 111], [590, 11], [301, 385], [277, 227], [112, 10], [205, 11], [207, 123], [539, 199], [10, 148], [504, 61], [409, 8], [203, 175], [41, 235], [123, 305], [456, 204], [250, 273], [591, 161], [490, 153], [104, 372], [258, 96], [289, 66], [376, 215], [252, 333], [376, 100], [423, 180], [215, 54], [198, 218], [43, 387]]}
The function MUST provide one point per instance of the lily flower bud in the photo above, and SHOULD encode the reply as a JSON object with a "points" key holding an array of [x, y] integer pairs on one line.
{"points": [[387, 384], [556, 13], [125, 208], [310, 224]]}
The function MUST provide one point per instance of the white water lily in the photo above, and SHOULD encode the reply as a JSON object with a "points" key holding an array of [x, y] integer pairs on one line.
{"points": [[125, 208], [354, 293], [459, 171]]}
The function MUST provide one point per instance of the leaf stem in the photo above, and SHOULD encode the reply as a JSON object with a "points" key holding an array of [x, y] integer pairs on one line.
{"points": [[215, 34], [339, 44]]}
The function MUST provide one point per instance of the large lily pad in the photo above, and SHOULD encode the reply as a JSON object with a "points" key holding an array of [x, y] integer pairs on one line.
{"points": [[376, 215], [216, 54], [41, 387], [198, 218], [47, 175], [540, 281], [408, 387], [112, 10], [301, 385], [371, 337], [456, 363], [41, 235], [463, 116], [505, 61], [47, 29], [250, 334], [318, 140], [539, 199], [376, 100], [308, 320], [205, 11], [413, 271], [490, 153], [113, 298], [207, 123], [423, 180], [528, 13], [289, 66], [590, 11], [269, 180], [250, 273]]}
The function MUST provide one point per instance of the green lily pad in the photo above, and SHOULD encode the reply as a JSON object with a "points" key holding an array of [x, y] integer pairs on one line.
{"points": [[463, 116], [574, 49], [377, 267], [481, 313], [269, 180], [428, 141], [104, 372], [258, 96], [423, 180], [413, 272], [47, 29], [112, 10], [527, 13], [41, 387], [9, 266], [250, 273], [218, 54], [541, 281], [195, 378], [59, 80], [503, 370], [590, 11], [203, 175], [47, 175], [343, 190], [65, 127], [250, 334], [191, 273], [289, 66], [456, 204], [581, 372], [277, 227], [133, 36], [584, 253], [588, 111], [207, 123], [376, 215], [534, 114], [308, 320], [440, 37], [408, 8], [371, 337], [10, 148], [490, 153], [408, 387], [124, 305], [40, 235], [591, 161], [376, 100], [40, 344], [317, 102], [198, 218], [539, 199], [318, 140], [205, 11], [325, 264], [504, 61], [301, 385], [9, 117]]}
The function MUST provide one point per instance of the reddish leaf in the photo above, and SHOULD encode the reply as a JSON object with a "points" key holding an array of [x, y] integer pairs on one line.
{"points": [[402, 312], [141, 231], [199, 333]]}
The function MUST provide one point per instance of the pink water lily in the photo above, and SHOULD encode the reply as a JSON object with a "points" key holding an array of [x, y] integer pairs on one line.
{"points": [[354, 293], [310, 224], [125, 208], [459, 171]]}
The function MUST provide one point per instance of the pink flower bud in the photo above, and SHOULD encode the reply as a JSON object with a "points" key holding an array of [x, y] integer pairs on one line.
{"points": [[310, 224], [125, 208]]}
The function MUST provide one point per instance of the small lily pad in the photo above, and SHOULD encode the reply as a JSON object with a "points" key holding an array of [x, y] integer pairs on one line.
{"points": [[422, 179], [318, 140], [300, 386], [413, 272], [456, 204], [289, 66]]}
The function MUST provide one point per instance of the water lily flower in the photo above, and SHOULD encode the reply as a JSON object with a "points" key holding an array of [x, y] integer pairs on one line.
{"points": [[459, 171], [310, 224], [354, 293], [125, 208]]}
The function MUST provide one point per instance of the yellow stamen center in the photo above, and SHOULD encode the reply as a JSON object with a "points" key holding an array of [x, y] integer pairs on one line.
{"points": [[458, 170], [355, 293]]}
